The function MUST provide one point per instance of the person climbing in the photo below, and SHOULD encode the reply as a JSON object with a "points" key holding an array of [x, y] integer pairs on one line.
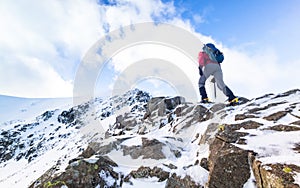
{"points": [[209, 64]]}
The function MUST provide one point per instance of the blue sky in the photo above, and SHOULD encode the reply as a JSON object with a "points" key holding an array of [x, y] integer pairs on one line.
{"points": [[42, 43], [237, 21]]}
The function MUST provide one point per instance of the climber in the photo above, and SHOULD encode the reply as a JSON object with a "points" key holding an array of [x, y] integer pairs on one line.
{"points": [[209, 64]]}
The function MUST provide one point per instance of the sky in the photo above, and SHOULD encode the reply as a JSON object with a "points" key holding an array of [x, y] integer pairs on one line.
{"points": [[43, 43]]}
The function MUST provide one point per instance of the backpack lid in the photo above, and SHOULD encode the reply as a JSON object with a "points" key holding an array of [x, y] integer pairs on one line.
{"points": [[211, 46]]}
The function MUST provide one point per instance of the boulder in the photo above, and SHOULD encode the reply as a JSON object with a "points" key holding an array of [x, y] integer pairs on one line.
{"points": [[228, 165], [274, 175], [81, 174]]}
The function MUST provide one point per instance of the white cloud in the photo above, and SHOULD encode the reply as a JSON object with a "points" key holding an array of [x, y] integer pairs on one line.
{"points": [[58, 34], [42, 43], [34, 78], [54, 33], [258, 73]]}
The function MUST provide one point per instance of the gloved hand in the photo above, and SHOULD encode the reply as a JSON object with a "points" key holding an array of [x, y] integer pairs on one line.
{"points": [[200, 71], [213, 80]]}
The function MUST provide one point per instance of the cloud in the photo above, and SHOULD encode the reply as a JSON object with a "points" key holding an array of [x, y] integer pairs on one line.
{"points": [[258, 73], [54, 33], [58, 34], [34, 78], [42, 44]]}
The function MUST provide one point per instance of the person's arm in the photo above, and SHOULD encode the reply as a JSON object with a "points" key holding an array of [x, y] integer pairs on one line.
{"points": [[202, 59]]}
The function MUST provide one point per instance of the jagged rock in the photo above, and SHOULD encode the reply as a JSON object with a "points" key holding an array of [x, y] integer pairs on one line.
{"points": [[229, 134], [217, 107], [297, 147], [264, 96], [244, 116], [294, 91], [204, 163], [285, 128], [125, 122], [243, 100], [209, 134], [82, 174], [68, 117], [256, 110], [276, 116], [150, 149], [90, 150], [227, 161], [46, 115], [163, 105], [183, 109], [175, 181], [200, 114], [228, 165], [296, 123], [146, 172], [274, 175], [171, 166]]}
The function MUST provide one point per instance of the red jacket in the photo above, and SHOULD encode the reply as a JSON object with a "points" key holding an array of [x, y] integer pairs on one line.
{"points": [[203, 59]]}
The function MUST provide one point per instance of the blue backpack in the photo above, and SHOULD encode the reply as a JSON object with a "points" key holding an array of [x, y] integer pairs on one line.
{"points": [[218, 55]]}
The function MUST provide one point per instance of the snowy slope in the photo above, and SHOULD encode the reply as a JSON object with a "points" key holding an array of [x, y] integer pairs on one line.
{"points": [[136, 132], [14, 108], [37, 134]]}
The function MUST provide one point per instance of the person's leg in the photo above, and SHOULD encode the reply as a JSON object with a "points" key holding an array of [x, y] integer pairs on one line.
{"points": [[205, 72], [221, 85], [201, 85]]}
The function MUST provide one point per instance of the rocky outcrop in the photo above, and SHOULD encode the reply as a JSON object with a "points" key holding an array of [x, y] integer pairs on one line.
{"points": [[274, 175], [150, 149], [228, 164], [147, 172], [82, 173], [175, 181]]}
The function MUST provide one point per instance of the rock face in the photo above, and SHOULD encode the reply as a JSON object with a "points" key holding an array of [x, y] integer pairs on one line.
{"points": [[226, 161], [274, 175], [228, 165], [150, 149]]}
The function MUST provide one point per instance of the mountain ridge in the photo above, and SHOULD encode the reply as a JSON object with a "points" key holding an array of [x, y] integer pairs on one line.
{"points": [[165, 140]]}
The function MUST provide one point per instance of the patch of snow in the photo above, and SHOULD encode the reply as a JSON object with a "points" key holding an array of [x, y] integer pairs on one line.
{"points": [[297, 178], [197, 173], [145, 183], [135, 141], [107, 178], [117, 156]]}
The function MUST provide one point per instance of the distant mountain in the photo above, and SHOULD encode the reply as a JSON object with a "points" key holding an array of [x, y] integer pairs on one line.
{"points": [[135, 140]]}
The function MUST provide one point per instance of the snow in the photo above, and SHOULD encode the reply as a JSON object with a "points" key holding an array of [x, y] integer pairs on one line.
{"points": [[297, 178], [145, 183], [135, 141], [27, 108], [126, 160], [107, 177], [197, 173], [19, 111], [271, 146]]}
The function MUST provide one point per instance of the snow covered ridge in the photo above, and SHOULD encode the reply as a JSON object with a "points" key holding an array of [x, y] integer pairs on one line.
{"points": [[30, 144], [134, 140]]}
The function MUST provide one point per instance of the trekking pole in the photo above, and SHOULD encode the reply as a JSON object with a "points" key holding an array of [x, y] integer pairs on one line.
{"points": [[215, 89]]}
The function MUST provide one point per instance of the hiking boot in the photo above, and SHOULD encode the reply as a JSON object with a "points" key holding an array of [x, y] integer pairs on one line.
{"points": [[205, 101], [234, 102]]}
